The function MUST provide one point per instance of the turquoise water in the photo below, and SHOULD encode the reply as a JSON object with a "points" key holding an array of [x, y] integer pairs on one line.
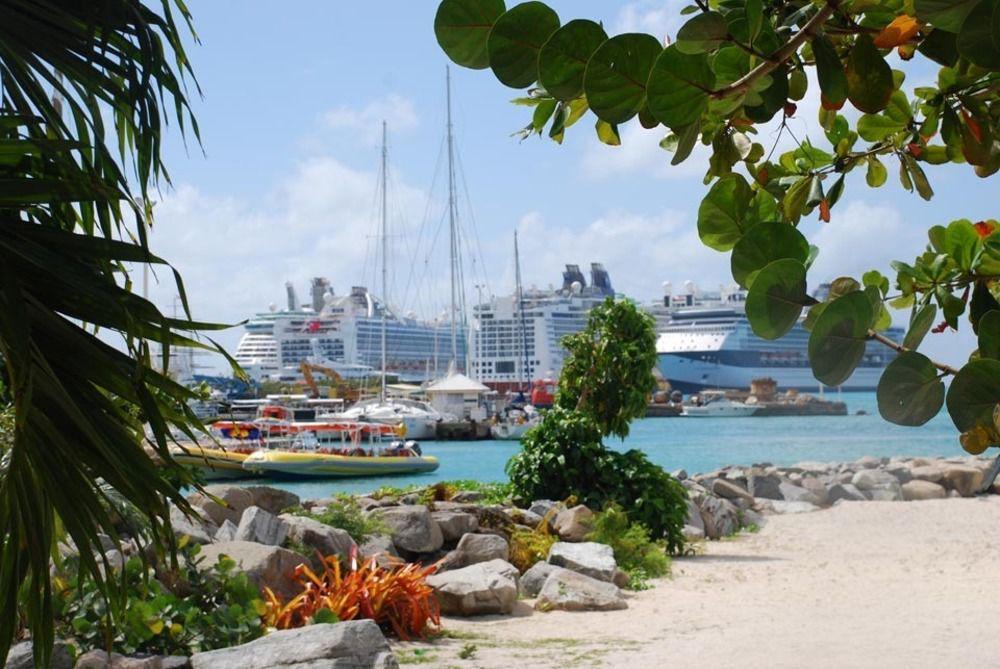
{"points": [[694, 444]]}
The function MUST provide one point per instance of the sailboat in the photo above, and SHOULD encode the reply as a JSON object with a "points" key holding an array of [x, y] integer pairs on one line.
{"points": [[519, 416]]}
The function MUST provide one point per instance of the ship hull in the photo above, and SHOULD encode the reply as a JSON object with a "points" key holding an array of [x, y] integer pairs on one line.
{"points": [[688, 374], [318, 465]]}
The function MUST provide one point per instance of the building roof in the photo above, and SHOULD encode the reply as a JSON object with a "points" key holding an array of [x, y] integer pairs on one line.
{"points": [[456, 383]]}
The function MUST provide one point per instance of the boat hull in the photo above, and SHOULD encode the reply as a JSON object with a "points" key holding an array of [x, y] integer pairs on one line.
{"points": [[720, 412], [508, 432], [214, 463], [688, 374], [320, 465]]}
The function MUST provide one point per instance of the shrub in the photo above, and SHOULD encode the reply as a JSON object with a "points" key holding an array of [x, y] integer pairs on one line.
{"points": [[347, 514], [528, 546], [399, 599], [636, 553]]}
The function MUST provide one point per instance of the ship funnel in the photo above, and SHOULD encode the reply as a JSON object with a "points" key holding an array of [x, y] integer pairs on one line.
{"points": [[572, 274], [600, 279], [320, 286], [293, 300]]}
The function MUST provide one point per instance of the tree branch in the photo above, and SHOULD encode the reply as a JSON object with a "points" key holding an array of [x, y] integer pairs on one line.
{"points": [[899, 348], [744, 83]]}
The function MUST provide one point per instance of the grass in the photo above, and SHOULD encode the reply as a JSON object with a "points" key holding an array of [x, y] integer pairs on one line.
{"points": [[415, 656], [345, 512], [468, 651]]}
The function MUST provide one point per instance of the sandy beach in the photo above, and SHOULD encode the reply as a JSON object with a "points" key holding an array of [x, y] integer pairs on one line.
{"points": [[876, 584]]}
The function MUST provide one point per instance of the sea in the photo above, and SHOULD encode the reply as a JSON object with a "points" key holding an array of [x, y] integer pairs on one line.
{"points": [[693, 444]]}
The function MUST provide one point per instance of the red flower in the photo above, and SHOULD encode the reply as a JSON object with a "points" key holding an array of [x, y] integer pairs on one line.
{"points": [[985, 228]]}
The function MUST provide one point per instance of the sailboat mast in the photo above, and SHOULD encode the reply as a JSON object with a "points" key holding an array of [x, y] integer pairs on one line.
{"points": [[453, 250], [525, 374], [385, 255]]}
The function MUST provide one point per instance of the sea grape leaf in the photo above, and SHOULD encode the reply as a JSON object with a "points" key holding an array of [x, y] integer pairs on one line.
{"points": [[869, 77], [982, 302], [722, 213], [839, 338], [920, 324], [679, 85], [989, 335], [941, 47], [615, 79], [562, 60], [979, 39], [830, 72], [962, 243], [515, 40], [876, 127], [764, 243], [974, 394], [877, 174], [705, 32], [773, 98], [796, 198], [910, 391], [777, 297], [947, 15], [462, 28], [608, 133]]}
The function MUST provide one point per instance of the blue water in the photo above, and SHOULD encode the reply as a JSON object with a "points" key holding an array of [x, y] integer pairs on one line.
{"points": [[694, 444]]}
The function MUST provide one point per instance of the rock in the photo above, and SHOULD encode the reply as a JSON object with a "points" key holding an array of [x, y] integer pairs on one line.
{"points": [[467, 496], [479, 589], [867, 462], [920, 490], [543, 506], [567, 590], [455, 524], [235, 500], [99, 659], [356, 644], [198, 530], [20, 657], [413, 528], [930, 473], [793, 493], [844, 491], [679, 474], [752, 518], [574, 524], [590, 558], [272, 500], [227, 532], [720, 517], [694, 518], [817, 488], [265, 566], [533, 579], [319, 536], [877, 485], [785, 506], [476, 548], [692, 533], [525, 517], [730, 490], [901, 472], [962, 478], [379, 546], [261, 526], [763, 485]]}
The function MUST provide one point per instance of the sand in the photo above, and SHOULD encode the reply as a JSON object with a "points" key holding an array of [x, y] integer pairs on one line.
{"points": [[865, 584]]}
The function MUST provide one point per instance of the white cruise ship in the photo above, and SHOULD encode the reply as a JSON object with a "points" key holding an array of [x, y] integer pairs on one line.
{"points": [[705, 341], [514, 344], [343, 332]]}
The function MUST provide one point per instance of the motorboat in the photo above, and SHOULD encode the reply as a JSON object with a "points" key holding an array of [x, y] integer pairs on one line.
{"points": [[514, 423], [715, 404], [214, 463], [418, 419], [398, 458]]}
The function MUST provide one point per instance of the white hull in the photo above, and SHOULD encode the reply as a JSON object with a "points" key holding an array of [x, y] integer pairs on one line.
{"points": [[510, 431], [719, 410], [690, 375]]}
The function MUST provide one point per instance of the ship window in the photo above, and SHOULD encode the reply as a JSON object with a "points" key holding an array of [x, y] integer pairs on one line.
{"points": [[505, 367]]}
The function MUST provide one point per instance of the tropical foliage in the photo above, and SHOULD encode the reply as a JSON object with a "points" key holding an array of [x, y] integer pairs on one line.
{"points": [[635, 552], [345, 513], [86, 90], [736, 64], [605, 383]]}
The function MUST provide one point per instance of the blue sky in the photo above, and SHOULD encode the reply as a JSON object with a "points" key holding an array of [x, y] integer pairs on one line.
{"points": [[293, 96]]}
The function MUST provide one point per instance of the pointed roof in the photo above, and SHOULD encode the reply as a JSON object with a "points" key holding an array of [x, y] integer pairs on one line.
{"points": [[457, 383]]}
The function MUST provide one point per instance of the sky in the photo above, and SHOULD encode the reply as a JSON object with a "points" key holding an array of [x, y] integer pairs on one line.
{"points": [[283, 187]]}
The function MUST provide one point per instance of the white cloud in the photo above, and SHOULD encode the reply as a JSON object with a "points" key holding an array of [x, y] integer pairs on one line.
{"points": [[396, 110]]}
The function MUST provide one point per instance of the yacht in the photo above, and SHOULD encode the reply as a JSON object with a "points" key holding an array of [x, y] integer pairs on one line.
{"points": [[418, 419], [714, 404]]}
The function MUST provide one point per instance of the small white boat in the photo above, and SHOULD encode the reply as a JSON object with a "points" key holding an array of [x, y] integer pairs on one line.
{"points": [[714, 404], [419, 419], [514, 423]]}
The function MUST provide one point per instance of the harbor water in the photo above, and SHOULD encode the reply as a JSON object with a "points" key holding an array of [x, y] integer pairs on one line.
{"points": [[693, 444]]}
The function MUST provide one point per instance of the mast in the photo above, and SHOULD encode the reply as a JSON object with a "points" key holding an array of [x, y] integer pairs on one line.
{"points": [[385, 256], [453, 250], [525, 374]]}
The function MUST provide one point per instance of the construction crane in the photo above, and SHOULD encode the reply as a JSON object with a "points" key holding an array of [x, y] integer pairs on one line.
{"points": [[338, 386]]}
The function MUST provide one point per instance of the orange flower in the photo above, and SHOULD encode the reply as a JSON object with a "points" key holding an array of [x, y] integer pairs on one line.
{"points": [[902, 29], [985, 228]]}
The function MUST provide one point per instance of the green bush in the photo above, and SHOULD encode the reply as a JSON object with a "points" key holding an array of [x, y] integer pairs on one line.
{"points": [[563, 456], [205, 609], [636, 553]]}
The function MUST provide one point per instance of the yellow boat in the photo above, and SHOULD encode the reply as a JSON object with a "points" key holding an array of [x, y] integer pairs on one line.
{"points": [[306, 464], [214, 463]]}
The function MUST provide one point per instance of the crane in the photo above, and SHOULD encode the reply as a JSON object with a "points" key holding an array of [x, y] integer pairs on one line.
{"points": [[337, 383]]}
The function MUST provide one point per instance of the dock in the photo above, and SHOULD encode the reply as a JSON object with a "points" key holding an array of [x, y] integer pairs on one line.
{"points": [[463, 430]]}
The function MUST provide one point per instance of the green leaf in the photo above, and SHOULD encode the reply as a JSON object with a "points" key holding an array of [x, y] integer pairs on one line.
{"points": [[979, 39], [562, 60], [910, 391], [773, 98], [776, 298], [764, 243], [869, 77], [615, 78], [608, 133], [798, 84], [920, 324], [941, 47], [830, 72], [962, 243], [876, 127], [877, 174], [974, 394], [705, 32], [462, 28], [794, 202], [678, 87], [981, 303], [722, 213], [687, 137], [839, 338], [515, 40], [989, 335], [919, 177], [944, 14]]}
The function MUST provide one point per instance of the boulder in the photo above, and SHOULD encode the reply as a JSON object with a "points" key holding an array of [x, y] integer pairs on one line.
{"points": [[319, 536], [525, 517], [764, 485], [844, 491], [930, 473], [817, 488], [99, 659], [720, 516], [694, 518], [567, 590], [867, 462], [476, 548], [574, 524], [455, 524], [272, 500], [379, 546], [199, 530], [963, 479], [20, 657], [920, 490], [533, 579], [479, 589], [258, 525], [266, 566], [901, 472], [235, 500], [692, 533], [877, 485], [356, 644], [413, 528], [467, 496], [590, 558], [795, 493], [730, 490], [543, 506], [226, 532]]}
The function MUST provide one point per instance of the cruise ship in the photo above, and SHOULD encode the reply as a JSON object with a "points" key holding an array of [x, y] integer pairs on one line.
{"points": [[705, 341], [513, 344], [343, 332]]}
